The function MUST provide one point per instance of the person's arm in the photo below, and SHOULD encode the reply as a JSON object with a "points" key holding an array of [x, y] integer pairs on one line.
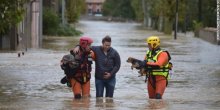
{"points": [[77, 47], [117, 64], [93, 55], [162, 60]]}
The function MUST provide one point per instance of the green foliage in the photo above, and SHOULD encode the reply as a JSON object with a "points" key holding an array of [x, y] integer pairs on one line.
{"points": [[209, 11], [67, 30], [187, 13], [126, 10], [197, 25], [51, 25], [50, 21], [73, 9], [208, 14], [168, 26], [11, 13], [109, 7], [138, 9], [166, 10], [118, 8]]}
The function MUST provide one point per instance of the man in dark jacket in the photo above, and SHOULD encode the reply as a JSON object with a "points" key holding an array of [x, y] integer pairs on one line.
{"points": [[107, 64]]}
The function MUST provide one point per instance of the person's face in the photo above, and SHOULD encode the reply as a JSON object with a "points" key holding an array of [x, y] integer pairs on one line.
{"points": [[88, 47], [150, 47], [106, 46]]}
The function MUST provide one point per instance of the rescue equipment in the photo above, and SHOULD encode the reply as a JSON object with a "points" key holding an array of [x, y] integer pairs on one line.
{"points": [[153, 41], [69, 66], [85, 41], [163, 70]]}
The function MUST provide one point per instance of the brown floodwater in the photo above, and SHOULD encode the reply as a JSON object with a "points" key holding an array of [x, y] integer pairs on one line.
{"points": [[32, 82]]}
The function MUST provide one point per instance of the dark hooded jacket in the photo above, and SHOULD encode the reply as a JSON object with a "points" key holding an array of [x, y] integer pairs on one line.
{"points": [[106, 63]]}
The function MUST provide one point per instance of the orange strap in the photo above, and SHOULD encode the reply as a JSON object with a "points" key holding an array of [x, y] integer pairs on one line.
{"points": [[161, 60]]}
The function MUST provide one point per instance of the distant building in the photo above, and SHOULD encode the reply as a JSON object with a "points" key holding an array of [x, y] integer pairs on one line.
{"points": [[94, 6]]}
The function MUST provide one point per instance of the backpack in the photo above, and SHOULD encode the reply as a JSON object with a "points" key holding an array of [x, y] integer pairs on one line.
{"points": [[69, 65], [169, 58]]}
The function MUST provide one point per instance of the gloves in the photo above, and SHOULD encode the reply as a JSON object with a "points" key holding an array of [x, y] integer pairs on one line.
{"points": [[142, 64]]}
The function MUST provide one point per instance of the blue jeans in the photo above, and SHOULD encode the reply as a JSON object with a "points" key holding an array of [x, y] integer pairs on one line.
{"points": [[109, 86]]}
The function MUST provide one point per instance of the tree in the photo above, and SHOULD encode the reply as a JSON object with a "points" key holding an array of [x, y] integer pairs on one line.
{"points": [[118, 8], [50, 21], [200, 13], [109, 7], [162, 12], [209, 13], [138, 10], [73, 10], [11, 13]]}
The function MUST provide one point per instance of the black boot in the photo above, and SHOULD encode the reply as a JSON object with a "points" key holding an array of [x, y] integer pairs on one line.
{"points": [[63, 80], [158, 96]]}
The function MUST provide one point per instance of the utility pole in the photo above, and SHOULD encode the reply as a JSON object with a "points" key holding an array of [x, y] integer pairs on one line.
{"points": [[145, 13], [218, 22], [40, 23], [176, 20]]}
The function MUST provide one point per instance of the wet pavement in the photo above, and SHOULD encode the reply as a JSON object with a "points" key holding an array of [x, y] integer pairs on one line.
{"points": [[31, 82]]}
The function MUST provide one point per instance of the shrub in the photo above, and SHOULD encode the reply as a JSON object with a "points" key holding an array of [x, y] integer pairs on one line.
{"points": [[52, 27], [50, 22], [197, 26], [67, 30]]}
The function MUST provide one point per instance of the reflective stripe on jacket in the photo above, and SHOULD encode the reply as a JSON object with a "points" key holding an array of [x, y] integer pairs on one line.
{"points": [[163, 70]]}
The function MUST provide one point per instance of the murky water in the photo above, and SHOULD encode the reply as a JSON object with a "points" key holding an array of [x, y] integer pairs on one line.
{"points": [[31, 82]]}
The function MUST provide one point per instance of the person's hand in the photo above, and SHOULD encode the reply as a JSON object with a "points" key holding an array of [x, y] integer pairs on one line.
{"points": [[75, 50], [143, 64], [107, 75]]}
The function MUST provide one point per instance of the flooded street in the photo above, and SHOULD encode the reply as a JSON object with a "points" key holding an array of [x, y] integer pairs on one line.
{"points": [[32, 82]]}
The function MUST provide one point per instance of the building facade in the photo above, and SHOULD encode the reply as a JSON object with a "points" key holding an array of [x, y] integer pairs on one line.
{"points": [[27, 33], [94, 6]]}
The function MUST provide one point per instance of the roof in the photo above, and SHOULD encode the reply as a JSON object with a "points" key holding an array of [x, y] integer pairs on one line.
{"points": [[95, 1]]}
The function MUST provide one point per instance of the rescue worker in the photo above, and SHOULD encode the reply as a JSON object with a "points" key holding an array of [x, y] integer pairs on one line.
{"points": [[157, 64], [80, 80]]}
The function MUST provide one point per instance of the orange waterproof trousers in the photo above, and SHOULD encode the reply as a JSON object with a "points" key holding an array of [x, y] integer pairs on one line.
{"points": [[156, 86], [80, 89]]}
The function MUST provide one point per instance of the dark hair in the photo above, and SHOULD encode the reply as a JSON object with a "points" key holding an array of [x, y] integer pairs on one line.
{"points": [[106, 39]]}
